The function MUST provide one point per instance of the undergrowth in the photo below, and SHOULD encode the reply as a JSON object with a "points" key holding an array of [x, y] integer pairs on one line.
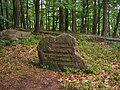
{"points": [[103, 57]]}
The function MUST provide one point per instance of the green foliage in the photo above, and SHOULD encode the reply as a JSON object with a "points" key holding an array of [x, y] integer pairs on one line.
{"points": [[83, 86], [69, 84], [45, 66], [7, 42]]}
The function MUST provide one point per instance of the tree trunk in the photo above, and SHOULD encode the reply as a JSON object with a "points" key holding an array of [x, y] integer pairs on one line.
{"points": [[61, 20], [22, 14], [66, 18], [105, 19], [1, 13], [109, 22], [74, 17], [16, 13], [86, 17], [27, 14], [94, 27], [37, 16], [47, 15], [7, 16], [82, 17], [98, 19], [41, 18], [117, 24], [53, 16]]}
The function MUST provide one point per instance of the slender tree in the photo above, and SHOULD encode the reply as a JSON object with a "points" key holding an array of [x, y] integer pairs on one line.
{"points": [[105, 19], [86, 16], [66, 18], [41, 18], [116, 25], [16, 13], [27, 14], [22, 14], [74, 17], [109, 31], [61, 20], [37, 16], [83, 17], [47, 15], [7, 16], [98, 18], [1, 14], [94, 27], [53, 16]]}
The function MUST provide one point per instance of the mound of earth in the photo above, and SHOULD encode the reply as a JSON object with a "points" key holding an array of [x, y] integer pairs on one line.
{"points": [[13, 34]]}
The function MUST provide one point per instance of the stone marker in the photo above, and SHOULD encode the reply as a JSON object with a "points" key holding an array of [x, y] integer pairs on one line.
{"points": [[59, 52]]}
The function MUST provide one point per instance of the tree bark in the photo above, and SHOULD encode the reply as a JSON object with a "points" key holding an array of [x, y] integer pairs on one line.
{"points": [[37, 16], [74, 17], [94, 27], [109, 31], [86, 17], [22, 14], [66, 18], [105, 19], [41, 18], [98, 18], [53, 16], [61, 20], [82, 17], [1, 13], [16, 13], [27, 14], [7, 16], [47, 15], [117, 24]]}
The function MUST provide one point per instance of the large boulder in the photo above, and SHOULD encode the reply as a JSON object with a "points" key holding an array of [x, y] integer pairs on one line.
{"points": [[59, 52], [13, 34]]}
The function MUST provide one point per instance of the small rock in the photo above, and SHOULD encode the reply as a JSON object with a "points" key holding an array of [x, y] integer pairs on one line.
{"points": [[13, 34]]}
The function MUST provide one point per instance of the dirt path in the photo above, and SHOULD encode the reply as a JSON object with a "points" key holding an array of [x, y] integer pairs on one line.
{"points": [[46, 80]]}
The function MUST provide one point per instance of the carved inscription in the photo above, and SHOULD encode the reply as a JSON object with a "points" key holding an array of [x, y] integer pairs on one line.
{"points": [[58, 52]]}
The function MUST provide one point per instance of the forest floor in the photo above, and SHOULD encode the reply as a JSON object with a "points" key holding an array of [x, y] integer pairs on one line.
{"points": [[19, 69]]}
